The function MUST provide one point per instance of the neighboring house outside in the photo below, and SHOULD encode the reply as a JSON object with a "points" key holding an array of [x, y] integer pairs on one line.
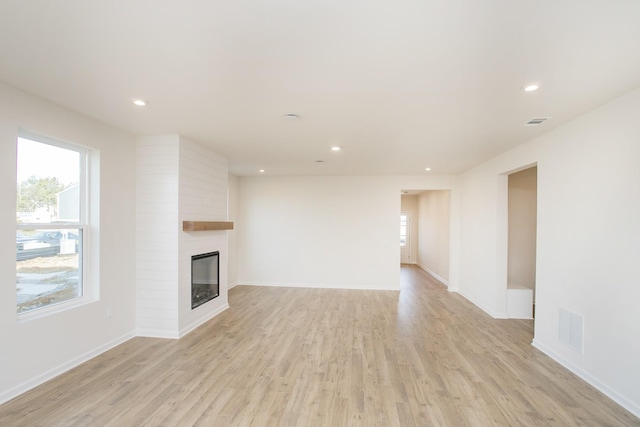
{"points": [[68, 202]]}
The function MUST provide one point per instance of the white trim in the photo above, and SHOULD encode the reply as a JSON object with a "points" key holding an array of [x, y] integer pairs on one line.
{"points": [[591, 380], [208, 316], [157, 333], [320, 286], [61, 369], [232, 285], [90, 291], [174, 335], [434, 275], [51, 309], [481, 307]]}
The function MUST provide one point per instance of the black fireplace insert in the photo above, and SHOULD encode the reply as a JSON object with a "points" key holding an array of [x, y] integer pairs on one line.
{"points": [[205, 278]]}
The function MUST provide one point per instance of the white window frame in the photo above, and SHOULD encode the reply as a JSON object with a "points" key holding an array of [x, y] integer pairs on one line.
{"points": [[88, 293], [406, 229]]}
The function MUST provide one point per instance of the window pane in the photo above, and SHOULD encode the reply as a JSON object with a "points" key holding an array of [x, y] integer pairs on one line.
{"points": [[403, 230], [50, 223], [47, 267], [48, 178]]}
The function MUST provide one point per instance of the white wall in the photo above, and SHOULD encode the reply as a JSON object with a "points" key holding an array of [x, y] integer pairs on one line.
{"points": [[233, 234], [157, 236], [434, 233], [522, 220], [36, 350], [323, 231], [587, 249]]}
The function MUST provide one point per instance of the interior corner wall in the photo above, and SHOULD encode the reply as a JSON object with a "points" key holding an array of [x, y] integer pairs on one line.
{"points": [[37, 350], [233, 234], [434, 233], [587, 241]]}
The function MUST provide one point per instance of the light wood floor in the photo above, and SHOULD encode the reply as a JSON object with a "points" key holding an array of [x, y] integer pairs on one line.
{"points": [[314, 357]]}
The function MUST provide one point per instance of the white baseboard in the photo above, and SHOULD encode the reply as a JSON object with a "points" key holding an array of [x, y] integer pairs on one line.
{"points": [[320, 286], [482, 307], [52, 373], [435, 276], [232, 285], [157, 333], [151, 333], [184, 331], [600, 386]]}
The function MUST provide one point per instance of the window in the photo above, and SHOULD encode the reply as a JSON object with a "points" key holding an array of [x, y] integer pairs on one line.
{"points": [[51, 224], [403, 229]]}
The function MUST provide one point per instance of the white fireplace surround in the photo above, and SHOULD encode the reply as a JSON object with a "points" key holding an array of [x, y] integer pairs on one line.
{"points": [[177, 181]]}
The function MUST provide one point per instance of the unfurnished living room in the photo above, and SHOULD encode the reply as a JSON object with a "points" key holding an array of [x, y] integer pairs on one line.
{"points": [[285, 213]]}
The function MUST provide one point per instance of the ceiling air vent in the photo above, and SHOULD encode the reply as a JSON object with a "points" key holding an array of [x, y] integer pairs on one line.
{"points": [[536, 121]]}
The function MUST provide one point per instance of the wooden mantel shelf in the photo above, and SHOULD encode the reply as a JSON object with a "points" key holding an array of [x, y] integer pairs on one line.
{"points": [[206, 225]]}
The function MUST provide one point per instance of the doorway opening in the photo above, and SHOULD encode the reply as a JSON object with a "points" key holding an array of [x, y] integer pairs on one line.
{"points": [[522, 198], [405, 238], [424, 220]]}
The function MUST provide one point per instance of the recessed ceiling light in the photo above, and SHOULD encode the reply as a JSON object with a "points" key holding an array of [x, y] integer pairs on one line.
{"points": [[427, 169], [531, 87], [335, 148], [140, 102], [291, 116], [261, 171]]}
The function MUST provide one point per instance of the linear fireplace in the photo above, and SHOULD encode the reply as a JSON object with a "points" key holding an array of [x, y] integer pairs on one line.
{"points": [[205, 278]]}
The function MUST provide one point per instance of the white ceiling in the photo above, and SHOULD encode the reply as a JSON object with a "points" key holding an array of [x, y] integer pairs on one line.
{"points": [[400, 85]]}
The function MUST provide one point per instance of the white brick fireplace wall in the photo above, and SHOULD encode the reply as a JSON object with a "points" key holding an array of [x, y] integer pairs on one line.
{"points": [[178, 180]]}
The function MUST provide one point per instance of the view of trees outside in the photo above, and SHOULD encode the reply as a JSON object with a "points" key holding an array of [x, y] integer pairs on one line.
{"points": [[47, 257], [39, 193]]}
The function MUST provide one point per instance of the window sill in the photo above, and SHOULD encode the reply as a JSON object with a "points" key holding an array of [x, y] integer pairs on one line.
{"points": [[49, 310]]}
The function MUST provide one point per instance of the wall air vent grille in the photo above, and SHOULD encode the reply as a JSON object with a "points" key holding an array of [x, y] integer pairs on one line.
{"points": [[536, 121], [571, 329]]}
